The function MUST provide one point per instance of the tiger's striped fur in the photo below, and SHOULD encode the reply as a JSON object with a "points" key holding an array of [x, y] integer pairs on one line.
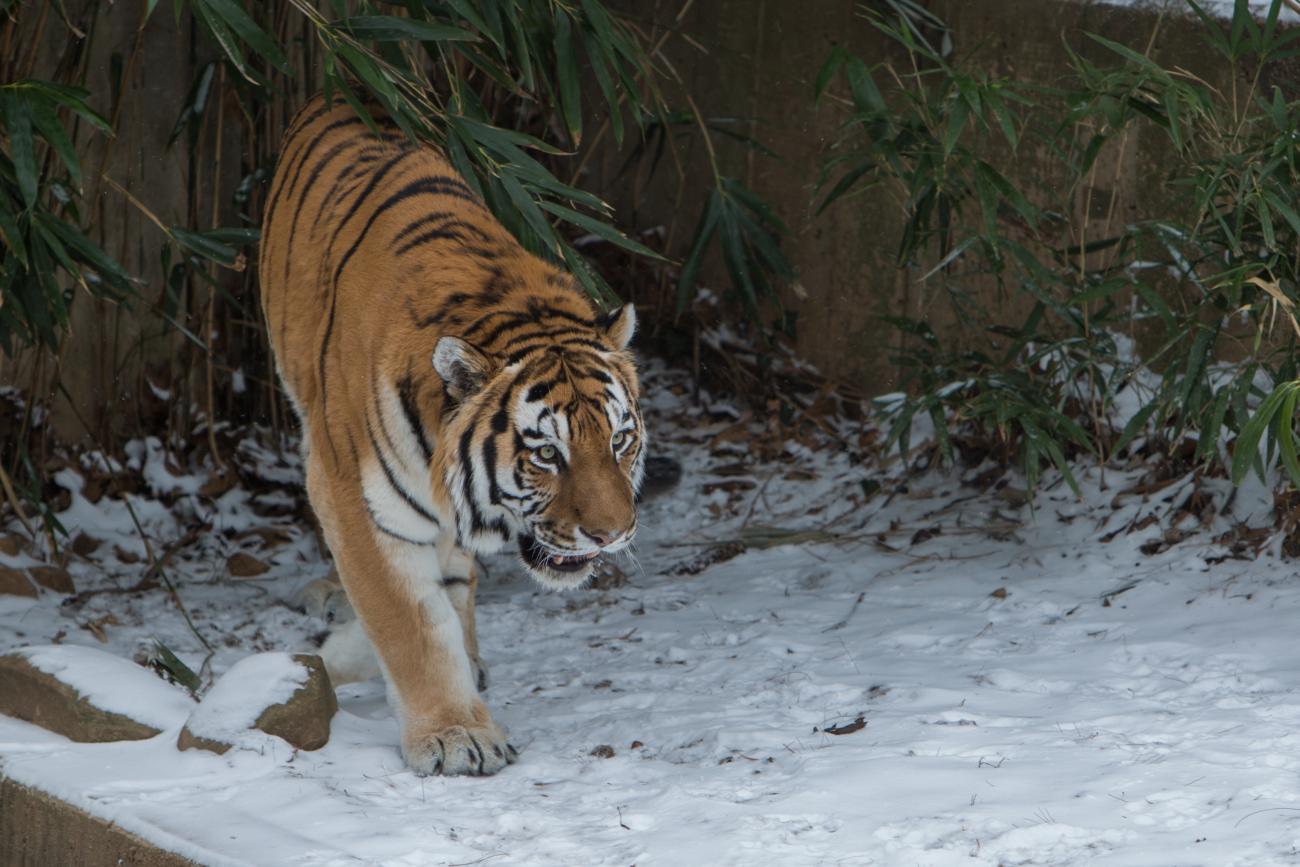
{"points": [[456, 394]]}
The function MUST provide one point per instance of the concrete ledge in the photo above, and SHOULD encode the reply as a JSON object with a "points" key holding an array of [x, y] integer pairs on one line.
{"points": [[39, 830]]}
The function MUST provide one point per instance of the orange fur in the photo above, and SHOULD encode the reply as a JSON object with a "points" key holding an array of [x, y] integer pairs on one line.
{"points": [[456, 393]]}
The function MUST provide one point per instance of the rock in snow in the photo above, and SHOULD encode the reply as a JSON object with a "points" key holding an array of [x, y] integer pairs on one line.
{"points": [[87, 695], [285, 695]]}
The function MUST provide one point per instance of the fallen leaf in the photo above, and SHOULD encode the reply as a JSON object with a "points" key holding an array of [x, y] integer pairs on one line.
{"points": [[54, 578], [85, 545], [14, 583], [126, 556], [243, 565], [96, 627], [11, 545], [848, 728]]}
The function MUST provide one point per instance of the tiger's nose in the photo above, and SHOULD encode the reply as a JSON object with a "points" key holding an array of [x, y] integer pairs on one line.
{"points": [[603, 538]]}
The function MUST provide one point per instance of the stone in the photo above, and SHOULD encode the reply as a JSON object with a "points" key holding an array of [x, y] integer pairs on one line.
{"points": [[14, 582], [302, 718], [41, 686], [54, 578], [187, 740]]}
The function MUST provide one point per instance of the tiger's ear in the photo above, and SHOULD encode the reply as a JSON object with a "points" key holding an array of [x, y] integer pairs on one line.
{"points": [[619, 326], [463, 368]]}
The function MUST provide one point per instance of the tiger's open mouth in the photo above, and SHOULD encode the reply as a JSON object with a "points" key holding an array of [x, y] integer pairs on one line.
{"points": [[542, 559]]}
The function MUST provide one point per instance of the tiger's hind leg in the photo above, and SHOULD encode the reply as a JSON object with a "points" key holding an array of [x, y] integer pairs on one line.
{"points": [[348, 655], [404, 610], [460, 578]]}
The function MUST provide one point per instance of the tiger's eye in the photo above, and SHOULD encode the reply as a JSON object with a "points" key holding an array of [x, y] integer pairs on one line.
{"points": [[547, 453], [619, 439]]}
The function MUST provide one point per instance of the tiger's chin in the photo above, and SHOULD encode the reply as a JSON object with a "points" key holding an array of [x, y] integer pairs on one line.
{"points": [[554, 570]]}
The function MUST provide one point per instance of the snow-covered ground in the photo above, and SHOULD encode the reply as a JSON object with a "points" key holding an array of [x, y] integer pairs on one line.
{"points": [[930, 675], [1218, 8]]}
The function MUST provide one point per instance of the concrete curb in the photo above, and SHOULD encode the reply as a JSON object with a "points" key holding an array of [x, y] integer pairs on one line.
{"points": [[39, 830]]}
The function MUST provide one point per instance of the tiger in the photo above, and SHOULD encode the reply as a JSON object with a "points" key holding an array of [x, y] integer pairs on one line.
{"points": [[456, 394]]}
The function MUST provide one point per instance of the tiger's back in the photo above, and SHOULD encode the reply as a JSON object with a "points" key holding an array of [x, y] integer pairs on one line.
{"points": [[349, 213], [456, 393]]}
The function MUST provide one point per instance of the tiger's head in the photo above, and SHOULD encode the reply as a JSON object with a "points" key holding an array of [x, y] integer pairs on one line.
{"points": [[546, 446]]}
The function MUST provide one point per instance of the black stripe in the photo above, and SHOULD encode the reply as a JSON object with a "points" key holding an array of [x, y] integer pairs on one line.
{"points": [[334, 286], [311, 146], [295, 126], [516, 321], [419, 224], [449, 580], [383, 426], [326, 157], [527, 348], [539, 390], [406, 396], [392, 479], [467, 480], [540, 310], [428, 237], [351, 176], [374, 519]]}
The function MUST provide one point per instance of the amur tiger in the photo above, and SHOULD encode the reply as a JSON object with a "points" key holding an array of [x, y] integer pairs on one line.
{"points": [[456, 394]]}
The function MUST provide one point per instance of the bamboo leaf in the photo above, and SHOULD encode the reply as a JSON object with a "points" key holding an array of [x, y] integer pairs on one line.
{"points": [[1245, 451], [1285, 433], [566, 72], [601, 229], [70, 97], [704, 232], [17, 114], [87, 251], [12, 238], [387, 28], [53, 132], [837, 58], [208, 248], [234, 16], [846, 182]]}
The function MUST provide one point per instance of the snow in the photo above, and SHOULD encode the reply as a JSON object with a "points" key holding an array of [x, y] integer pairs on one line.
{"points": [[1218, 8], [1034, 689], [112, 684], [233, 704]]}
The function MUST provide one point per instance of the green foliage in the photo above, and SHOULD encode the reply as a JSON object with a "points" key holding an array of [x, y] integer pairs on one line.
{"points": [[46, 255], [748, 229], [498, 85], [1218, 270], [449, 72]]}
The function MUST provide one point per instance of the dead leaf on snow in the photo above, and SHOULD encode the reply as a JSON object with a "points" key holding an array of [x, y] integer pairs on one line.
{"points": [[243, 565], [848, 728]]}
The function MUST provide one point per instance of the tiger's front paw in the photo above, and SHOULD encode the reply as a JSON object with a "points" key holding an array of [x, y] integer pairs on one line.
{"points": [[474, 750]]}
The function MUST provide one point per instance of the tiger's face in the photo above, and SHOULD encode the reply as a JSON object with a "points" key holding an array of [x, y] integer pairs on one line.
{"points": [[548, 450]]}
